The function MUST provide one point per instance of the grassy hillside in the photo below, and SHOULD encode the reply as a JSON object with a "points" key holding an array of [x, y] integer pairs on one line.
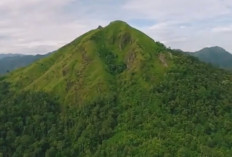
{"points": [[89, 64], [116, 92]]}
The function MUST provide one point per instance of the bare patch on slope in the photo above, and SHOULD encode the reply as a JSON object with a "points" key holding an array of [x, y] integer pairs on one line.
{"points": [[130, 59], [163, 60]]}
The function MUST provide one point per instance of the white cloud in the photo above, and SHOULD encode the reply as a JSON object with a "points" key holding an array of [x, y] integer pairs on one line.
{"points": [[40, 26], [186, 24], [186, 10], [43, 22], [222, 29]]}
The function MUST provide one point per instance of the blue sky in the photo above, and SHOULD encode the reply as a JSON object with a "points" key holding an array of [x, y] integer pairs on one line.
{"points": [[41, 26]]}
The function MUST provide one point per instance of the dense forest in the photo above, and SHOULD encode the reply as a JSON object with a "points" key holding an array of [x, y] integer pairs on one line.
{"points": [[128, 96]]}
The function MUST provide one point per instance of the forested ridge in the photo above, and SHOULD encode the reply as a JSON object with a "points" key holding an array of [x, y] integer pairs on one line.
{"points": [[126, 95], [216, 56]]}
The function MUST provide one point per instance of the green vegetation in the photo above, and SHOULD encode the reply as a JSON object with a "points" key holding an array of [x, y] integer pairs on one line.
{"points": [[216, 56], [116, 92]]}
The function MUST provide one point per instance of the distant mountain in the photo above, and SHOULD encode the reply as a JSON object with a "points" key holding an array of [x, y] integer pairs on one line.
{"points": [[8, 55], [115, 92], [9, 62], [216, 56]]}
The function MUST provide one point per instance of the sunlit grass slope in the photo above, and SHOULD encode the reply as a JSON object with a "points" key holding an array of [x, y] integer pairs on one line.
{"points": [[94, 65]]}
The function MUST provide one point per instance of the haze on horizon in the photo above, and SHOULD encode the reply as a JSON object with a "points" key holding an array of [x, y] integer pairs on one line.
{"points": [[40, 26]]}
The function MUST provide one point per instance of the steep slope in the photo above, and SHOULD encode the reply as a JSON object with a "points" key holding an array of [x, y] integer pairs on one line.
{"points": [[115, 92], [11, 62], [216, 56], [91, 64]]}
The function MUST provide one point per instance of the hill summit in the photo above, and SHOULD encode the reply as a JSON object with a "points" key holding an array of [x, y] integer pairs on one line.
{"points": [[216, 56], [91, 64], [116, 92]]}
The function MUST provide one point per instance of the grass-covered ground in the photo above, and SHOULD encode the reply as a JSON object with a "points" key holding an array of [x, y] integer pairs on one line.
{"points": [[116, 92]]}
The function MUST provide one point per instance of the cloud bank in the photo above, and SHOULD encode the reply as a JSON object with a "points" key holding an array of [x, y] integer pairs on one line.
{"points": [[41, 26]]}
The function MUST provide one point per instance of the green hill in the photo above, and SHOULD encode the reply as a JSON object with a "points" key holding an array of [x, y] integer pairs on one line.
{"points": [[9, 62], [216, 56], [92, 62], [115, 92]]}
